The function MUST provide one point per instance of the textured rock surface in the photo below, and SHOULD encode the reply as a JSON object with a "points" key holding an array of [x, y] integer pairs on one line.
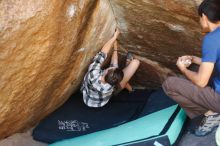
{"points": [[45, 45], [159, 30]]}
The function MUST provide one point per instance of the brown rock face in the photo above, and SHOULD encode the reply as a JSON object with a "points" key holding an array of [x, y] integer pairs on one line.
{"points": [[46, 46], [159, 30]]}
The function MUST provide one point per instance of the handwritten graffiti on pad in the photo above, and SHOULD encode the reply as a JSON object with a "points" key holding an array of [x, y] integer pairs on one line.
{"points": [[72, 125]]}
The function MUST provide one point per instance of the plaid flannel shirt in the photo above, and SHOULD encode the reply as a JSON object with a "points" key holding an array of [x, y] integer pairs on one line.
{"points": [[96, 93]]}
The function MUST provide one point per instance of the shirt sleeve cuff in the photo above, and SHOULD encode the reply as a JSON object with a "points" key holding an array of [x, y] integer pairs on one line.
{"points": [[103, 54], [208, 60]]}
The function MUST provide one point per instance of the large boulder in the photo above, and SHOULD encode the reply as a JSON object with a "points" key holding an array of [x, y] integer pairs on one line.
{"points": [[45, 47], [159, 31]]}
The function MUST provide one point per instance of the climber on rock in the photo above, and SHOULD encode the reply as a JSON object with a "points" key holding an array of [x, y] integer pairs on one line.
{"points": [[98, 84], [195, 95]]}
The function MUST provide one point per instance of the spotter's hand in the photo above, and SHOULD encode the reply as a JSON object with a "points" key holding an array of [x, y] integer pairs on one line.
{"points": [[187, 60], [180, 64]]}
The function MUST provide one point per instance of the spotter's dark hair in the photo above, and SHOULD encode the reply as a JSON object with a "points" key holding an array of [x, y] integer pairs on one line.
{"points": [[211, 8]]}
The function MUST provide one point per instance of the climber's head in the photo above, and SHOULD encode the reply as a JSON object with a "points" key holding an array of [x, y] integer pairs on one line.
{"points": [[113, 76], [209, 12]]}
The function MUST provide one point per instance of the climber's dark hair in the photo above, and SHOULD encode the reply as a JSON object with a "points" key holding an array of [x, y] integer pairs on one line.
{"points": [[114, 76], [211, 8]]}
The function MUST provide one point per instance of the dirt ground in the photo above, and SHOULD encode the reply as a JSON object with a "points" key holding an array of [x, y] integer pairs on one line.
{"points": [[21, 139]]}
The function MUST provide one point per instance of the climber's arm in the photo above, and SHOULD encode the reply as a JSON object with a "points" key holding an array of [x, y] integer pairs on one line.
{"points": [[106, 48], [114, 60]]}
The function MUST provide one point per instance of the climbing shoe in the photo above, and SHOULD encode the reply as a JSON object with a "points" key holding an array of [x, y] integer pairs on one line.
{"points": [[129, 57]]}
